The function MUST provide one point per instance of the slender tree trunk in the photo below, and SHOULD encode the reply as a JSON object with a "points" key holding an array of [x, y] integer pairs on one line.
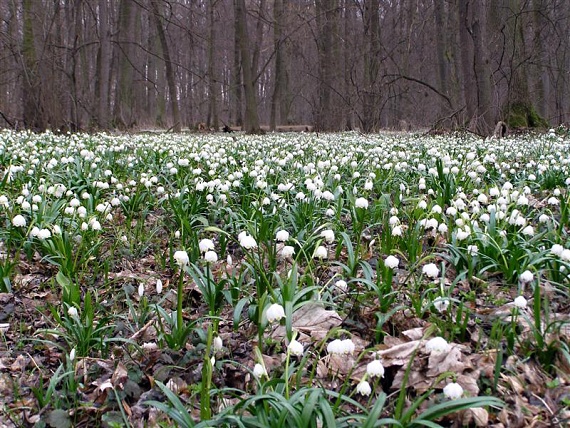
{"points": [[170, 78], [236, 84], [371, 65], [212, 120], [103, 72], [124, 114], [441, 49], [251, 123], [279, 73], [326, 19]]}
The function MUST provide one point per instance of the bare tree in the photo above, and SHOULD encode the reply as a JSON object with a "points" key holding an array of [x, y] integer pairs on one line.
{"points": [[157, 16], [251, 123]]}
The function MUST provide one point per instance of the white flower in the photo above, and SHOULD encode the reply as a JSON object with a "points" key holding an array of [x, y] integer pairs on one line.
{"points": [[565, 255], [259, 371], [338, 346], [295, 348], [72, 355], [441, 304], [44, 234], [19, 221], [287, 251], [158, 286], [361, 203], [363, 388], [397, 231], [526, 277], [557, 249], [206, 245], [453, 391], [341, 285], [328, 236], [247, 241], [181, 258], [529, 231], [437, 344], [72, 311], [217, 343], [430, 270], [282, 236], [472, 250], [391, 262], [321, 252], [520, 302], [211, 256], [375, 368], [141, 289], [275, 312]]}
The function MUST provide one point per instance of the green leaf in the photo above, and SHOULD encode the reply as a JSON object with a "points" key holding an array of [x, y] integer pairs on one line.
{"points": [[59, 418]]}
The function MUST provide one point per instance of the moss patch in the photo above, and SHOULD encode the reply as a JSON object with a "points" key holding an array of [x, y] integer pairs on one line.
{"points": [[520, 115]]}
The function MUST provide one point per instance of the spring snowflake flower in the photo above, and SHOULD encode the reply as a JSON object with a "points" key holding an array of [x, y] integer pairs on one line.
{"points": [[430, 270], [217, 343], [158, 286], [19, 221], [341, 285], [321, 253], [453, 391], [397, 231], [437, 344], [375, 368], [282, 236], [441, 304], [287, 251], [181, 257], [472, 250], [295, 348], [557, 249], [528, 231], [361, 203], [259, 371], [141, 289], [328, 236], [247, 241], [526, 277], [206, 245], [72, 312], [44, 234], [520, 302], [391, 262], [341, 347], [565, 255], [274, 313], [363, 388], [211, 256]]}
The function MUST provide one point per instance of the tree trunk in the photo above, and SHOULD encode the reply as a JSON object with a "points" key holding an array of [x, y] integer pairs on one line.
{"points": [[279, 73], [371, 94], [251, 123], [326, 11], [171, 80], [33, 117], [212, 119], [103, 72]]}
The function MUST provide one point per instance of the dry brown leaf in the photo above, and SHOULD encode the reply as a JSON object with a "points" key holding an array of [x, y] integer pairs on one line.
{"points": [[440, 362], [399, 355], [120, 376], [313, 320], [414, 333], [477, 416]]}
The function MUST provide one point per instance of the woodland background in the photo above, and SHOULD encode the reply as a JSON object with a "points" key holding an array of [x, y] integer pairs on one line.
{"points": [[74, 65]]}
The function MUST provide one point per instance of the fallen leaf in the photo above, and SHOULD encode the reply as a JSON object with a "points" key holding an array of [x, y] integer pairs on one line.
{"points": [[313, 320]]}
